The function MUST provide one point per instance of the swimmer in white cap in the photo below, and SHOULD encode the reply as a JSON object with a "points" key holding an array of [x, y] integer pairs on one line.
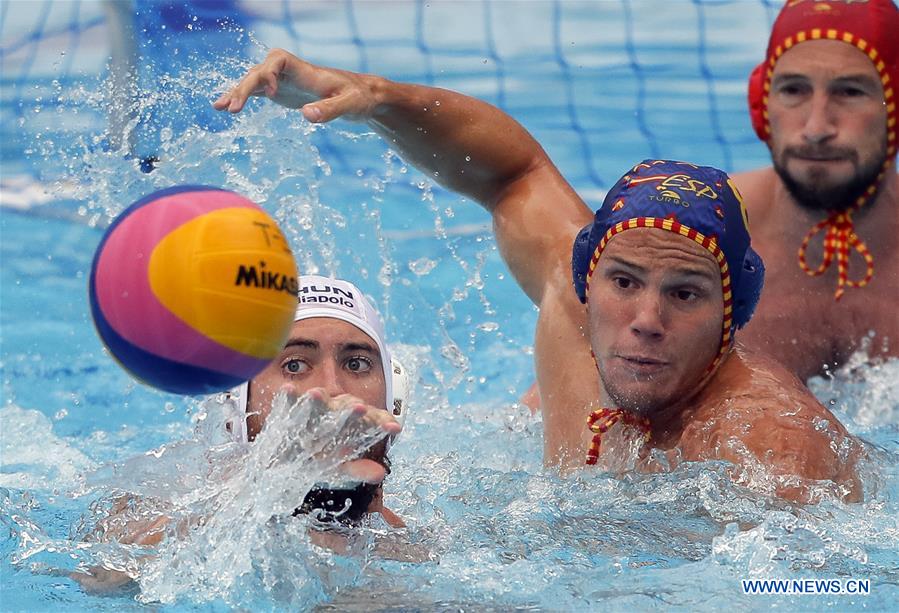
{"points": [[337, 353]]}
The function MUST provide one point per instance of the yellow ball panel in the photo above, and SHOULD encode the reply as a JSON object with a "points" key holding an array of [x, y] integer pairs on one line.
{"points": [[229, 275]]}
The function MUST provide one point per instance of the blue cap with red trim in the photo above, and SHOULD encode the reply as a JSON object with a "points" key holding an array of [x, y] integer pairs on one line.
{"points": [[698, 202]]}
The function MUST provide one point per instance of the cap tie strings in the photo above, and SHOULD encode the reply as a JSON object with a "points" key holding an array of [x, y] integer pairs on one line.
{"points": [[601, 420], [840, 236]]}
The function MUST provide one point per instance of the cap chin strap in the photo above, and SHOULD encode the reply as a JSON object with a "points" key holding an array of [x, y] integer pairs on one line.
{"points": [[839, 239], [237, 425], [602, 419]]}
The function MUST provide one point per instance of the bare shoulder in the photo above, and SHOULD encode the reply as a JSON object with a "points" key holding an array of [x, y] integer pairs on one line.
{"points": [[752, 180], [764, 410], [757, 188], [759, 382]]}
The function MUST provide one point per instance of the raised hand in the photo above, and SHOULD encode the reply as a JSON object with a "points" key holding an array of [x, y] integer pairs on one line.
{"points": [[321, 93], [338, 431]]}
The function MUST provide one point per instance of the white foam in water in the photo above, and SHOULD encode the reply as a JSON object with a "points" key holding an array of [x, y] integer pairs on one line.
{"points": [[34, 458], [242, 530], [864, 391]]}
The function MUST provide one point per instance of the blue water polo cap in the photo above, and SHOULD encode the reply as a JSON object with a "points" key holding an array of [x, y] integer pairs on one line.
{"points": [[698, 202]]}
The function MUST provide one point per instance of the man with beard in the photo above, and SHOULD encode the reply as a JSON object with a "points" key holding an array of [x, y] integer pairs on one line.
{"points": [[824, 102]]}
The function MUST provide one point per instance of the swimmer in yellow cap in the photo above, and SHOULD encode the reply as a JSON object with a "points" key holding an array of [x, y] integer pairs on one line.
{"points": [[824, 100], [660, 314]]}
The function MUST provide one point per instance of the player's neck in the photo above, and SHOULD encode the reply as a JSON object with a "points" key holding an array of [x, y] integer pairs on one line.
{"points": [[667, 423], [875, 221]]}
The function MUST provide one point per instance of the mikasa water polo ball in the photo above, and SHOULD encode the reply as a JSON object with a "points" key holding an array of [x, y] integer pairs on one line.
{"points": [[193, 289]]}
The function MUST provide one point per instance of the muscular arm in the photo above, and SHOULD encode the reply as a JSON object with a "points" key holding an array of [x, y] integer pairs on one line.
{"points": [[476, 149], [467, 145]]}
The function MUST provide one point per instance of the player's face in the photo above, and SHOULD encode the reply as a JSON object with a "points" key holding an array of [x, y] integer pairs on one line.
{"points": [[320, 352], [828, 123], [656, 313]]}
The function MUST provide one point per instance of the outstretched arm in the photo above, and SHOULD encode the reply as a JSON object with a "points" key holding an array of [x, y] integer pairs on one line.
{"points": [[467, 145]]}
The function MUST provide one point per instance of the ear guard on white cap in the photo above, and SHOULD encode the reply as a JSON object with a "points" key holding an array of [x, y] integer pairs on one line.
{"points": [[401, 386], [236, 426]]}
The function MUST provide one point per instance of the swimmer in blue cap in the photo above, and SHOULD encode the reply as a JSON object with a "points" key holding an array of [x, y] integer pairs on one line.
{"points": [[663, 277], [668, 275]]}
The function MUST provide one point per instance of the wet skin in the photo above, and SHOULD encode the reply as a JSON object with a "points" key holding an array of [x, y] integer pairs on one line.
{"points": [[655, 309], [338, 363], [477, 150], [827, 117]]}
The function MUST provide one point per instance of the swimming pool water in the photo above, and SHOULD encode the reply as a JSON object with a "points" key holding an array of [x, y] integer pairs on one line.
{"points": [[489, 527]]}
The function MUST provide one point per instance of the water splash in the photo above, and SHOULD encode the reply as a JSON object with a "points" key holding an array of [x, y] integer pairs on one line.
{"points": [[34, 457], [863, 392]]}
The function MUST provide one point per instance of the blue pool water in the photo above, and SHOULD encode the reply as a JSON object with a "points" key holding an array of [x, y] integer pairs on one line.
{"points": [[489, 527]]}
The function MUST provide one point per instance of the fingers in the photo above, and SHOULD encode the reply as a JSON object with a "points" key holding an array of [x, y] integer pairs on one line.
{"points": [[260, 80], [323, 94], [327, 109], [223, 101], [337, 429], [371, 417], [293, 394], [269, 81], [313, 112], [360, 413], [257, 82]]}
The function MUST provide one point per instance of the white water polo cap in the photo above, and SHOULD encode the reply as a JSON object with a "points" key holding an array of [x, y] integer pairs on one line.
{"points": [[339, 299]]}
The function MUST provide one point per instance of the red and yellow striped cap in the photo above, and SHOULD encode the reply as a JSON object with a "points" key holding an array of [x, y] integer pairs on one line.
{"points": [[872, 26]]}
